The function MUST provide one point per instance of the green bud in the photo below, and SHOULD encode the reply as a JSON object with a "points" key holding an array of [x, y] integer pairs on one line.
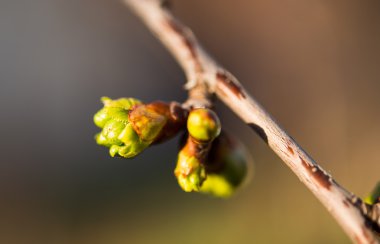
{"points": [[131, 144], [111, 132], [129, 126], [118, 132], [124, 103], [114, 110], [203, 124], [190, 172], [218, 186], [101, 118], [227, 167]]}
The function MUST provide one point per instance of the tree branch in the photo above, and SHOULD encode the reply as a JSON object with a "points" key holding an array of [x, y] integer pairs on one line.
{"points": [[206, 77]]}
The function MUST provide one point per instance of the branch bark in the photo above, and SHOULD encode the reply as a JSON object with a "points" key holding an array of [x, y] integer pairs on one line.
{"points": [[204, 74]]}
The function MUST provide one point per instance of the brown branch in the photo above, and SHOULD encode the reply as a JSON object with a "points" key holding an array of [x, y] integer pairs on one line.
{"points": [[202, 71]]}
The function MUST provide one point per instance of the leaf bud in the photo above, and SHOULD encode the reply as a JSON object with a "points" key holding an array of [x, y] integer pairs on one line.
{"points": [[129, 126]]}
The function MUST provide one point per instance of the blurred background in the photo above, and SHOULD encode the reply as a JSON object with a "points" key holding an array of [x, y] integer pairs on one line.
{"points": [[314, 65]]}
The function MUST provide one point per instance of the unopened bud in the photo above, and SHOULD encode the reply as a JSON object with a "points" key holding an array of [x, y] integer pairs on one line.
{"points": [[190, 172], [227, 167], [115, 110], [147, 122], [128, 126], [203, 124]]}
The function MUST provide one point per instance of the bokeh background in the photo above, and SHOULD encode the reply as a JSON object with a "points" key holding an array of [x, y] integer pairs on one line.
{"points": [[314, 65]]}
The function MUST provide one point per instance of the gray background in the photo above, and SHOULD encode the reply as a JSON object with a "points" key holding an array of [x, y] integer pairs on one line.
{"points": [[313, 64]]}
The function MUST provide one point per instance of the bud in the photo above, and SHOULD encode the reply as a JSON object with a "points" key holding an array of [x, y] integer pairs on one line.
{"points": [[114, 109], [129, 126], [190, 172], [147, 122], [203, 124], [226, 167]]}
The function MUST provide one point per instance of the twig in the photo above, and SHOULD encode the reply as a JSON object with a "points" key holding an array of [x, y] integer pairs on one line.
{"points": [[201, 70]]}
